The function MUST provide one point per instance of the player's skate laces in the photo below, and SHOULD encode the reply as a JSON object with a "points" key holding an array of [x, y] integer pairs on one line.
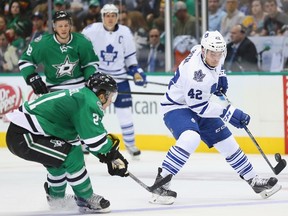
{"points": [[266, 187], [66, 202], [163, 195], [133, 151], [95, 204]]}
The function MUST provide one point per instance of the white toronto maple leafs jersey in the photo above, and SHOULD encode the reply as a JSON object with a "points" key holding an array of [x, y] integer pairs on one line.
{"points": [[193, 85], [116, 50]]}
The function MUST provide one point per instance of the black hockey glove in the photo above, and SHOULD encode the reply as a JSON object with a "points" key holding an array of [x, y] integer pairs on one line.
{"points": [[38, 86], [116, 163]]}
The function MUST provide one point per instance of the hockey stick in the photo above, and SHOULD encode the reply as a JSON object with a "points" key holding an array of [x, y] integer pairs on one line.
{"points": [[151, 188], [155, 185], [141, 93], [148, 82], [281, 162]]}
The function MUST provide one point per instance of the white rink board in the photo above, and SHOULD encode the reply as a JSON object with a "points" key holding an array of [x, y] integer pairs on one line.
{"points": [[260, 96]]}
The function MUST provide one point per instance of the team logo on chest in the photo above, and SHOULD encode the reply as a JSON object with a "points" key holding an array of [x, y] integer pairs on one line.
{"points": [[65, 68], [109, 55], [199, 75]]}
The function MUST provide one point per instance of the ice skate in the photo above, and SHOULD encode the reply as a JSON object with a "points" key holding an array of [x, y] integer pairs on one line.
{"points": [[163, 195], [66, 202], [95, 204], [266, 187], [134, 152]]}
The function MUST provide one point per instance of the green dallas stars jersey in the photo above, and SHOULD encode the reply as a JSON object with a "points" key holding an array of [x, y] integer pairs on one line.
{"points": [[62, 62], [66, 114]]}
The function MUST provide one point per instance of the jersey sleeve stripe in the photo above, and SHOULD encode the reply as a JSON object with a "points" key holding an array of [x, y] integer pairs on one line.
{"points": [[24, 64], [199, 105], [100, 68], [96, 143], [171, 100], [204, 109], [130, 55]]}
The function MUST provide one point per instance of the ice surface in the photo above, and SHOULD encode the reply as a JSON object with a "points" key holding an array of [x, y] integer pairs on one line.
{"points": [[205, 186]]}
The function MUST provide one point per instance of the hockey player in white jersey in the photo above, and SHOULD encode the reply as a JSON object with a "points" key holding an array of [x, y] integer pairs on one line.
{"points": [[191, 116], [114, 45]]}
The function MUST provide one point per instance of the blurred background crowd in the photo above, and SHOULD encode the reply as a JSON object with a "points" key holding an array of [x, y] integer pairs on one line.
{"points": [[21, 21]]}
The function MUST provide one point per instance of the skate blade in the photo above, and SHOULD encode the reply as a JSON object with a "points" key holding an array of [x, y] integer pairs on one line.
{"points": [[86, 210], [267, 193], [162, 200]]}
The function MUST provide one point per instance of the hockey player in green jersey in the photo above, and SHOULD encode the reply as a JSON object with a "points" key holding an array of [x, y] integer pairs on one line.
{"points": [[46, 130], [68, 58]]}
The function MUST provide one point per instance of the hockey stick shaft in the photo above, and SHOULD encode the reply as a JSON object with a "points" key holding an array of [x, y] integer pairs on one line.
{"points": [[258, 147], [153, 187], [139, 181], [281, 162], [148, 82], [141, 93]]}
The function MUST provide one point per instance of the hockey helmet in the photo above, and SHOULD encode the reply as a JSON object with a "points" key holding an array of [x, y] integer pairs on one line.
{"points": [[109, 8], [214, 41], [102, 83], [61, 15]]}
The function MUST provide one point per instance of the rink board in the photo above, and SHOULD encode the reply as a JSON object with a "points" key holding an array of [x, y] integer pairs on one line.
{"points": [[262, 97]]}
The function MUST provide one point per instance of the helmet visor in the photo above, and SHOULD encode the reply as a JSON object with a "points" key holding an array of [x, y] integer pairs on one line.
{"points": [[114, 96], [111, 96]]}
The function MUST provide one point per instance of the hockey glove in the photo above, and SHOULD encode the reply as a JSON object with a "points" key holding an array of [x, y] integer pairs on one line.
{"points": [[235, 117], [116, 163], [138, 74], [38, 86], [222, 86]]}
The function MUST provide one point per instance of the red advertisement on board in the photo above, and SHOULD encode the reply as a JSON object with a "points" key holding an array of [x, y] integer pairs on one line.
{"points": [[10, 98]]}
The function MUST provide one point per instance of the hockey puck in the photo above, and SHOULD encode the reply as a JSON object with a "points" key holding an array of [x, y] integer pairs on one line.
{"points": [[278, 157]]}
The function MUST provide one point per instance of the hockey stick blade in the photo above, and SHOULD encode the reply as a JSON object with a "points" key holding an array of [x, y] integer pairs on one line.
{"points": [[154, 186], [281, 164]]}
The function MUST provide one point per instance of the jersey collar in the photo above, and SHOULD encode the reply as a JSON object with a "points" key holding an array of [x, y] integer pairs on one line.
{"points": [[209, 67]]}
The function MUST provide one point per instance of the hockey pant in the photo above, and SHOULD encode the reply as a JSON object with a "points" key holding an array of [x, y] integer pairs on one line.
{"points": [[49, 151]]}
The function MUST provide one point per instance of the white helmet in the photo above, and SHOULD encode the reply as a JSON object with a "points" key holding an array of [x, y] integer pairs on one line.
{"points": [[214, 41], [109, 8]]}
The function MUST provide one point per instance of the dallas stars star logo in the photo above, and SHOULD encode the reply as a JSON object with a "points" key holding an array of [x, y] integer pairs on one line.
{"points": [[57, 143], [65, 68], [198, 76]]}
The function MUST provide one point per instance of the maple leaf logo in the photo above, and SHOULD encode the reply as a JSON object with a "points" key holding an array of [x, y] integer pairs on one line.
{"points": [[199, 75]]}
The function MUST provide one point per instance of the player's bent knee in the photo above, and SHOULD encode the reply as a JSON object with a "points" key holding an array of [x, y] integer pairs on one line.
{"points": [[189, 141]]}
